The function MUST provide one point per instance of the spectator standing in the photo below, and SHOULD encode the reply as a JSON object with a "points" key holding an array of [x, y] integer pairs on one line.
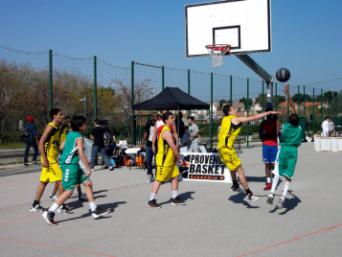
{"points": [[31, 139], [180, 125], [193, 131], [109, 142], [147, 144], [328, 127], [20, 125], [99, 146], [331, 126]]}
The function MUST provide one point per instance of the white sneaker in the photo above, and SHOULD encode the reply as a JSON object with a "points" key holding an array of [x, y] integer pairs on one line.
{"points": [[64, 209], [281, 202], [251, 198], [270, 198], [98, 213]]}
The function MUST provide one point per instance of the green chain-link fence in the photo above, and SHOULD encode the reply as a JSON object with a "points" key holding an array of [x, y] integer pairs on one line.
{"points": [[33, 82]]}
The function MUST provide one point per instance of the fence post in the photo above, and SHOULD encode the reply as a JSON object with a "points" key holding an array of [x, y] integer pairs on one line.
{"points": [[95, 90], [313, 109], [321, 104], [263, 94], [134, 138], [248, 106], [276, 96], [304, 108], [231, 89], [189, 81], [163, 77], [50, 91], [211, 109], [288, 104]]}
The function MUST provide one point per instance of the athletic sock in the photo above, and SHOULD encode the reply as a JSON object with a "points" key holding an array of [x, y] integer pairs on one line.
{"points": [[174, 194], [54, 207], [35, 202], [248, 192], [286, 188], [79, 191], [268, 180], [274, 184], [92, 206], [152, 196]]}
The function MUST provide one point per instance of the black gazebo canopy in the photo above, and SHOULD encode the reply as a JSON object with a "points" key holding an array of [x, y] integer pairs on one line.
{"points": [[172, 98]]}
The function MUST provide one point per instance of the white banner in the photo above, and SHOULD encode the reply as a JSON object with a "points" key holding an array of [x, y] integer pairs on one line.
{"points": [[206, 167]]}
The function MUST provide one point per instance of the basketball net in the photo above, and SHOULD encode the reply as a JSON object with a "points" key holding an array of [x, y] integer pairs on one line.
{"points": [[217, 53]]}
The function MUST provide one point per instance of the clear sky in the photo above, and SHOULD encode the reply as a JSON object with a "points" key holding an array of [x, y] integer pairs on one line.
{"points": [[306, 34]]}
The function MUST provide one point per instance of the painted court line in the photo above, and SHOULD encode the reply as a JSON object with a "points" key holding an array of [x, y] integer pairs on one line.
{"points": [[289, 241], [42, 245]]}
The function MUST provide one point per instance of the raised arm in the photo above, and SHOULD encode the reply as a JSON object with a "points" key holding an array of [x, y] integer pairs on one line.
{"points": [[252, 118], [289, 98]]}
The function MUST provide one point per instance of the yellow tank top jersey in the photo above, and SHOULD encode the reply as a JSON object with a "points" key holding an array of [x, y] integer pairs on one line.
{"points": [[52, 143], [165, 156], [64, 132], [228, 133]]}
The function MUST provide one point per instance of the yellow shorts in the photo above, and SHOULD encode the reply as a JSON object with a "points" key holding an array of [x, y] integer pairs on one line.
{"points": [[164, 174], [230, 158], [51, 174]]}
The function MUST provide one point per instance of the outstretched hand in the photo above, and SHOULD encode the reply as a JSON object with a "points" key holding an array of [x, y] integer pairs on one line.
{"points": [[274, 112]]}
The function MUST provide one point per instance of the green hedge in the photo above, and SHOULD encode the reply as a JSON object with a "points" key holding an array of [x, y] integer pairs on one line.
{"points": [[10, 137]]}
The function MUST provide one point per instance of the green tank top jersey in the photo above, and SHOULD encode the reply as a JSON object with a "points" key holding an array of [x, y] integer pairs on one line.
{"points": [[291, 135], [69, 154]]}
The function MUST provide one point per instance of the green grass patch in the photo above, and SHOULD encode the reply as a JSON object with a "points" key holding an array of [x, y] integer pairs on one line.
{"points": [[14, 145]]}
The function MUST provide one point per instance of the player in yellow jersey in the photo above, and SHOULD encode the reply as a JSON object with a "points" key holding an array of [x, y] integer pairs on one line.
{"points": [[229, 130], [166, 161], [64, 130], [49, 145]]}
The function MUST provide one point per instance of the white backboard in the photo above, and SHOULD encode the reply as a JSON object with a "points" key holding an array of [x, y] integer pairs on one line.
{"points": [[244, 24]]}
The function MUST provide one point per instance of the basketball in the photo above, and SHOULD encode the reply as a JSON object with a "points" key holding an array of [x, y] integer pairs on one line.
{"points": [[283, 75]]}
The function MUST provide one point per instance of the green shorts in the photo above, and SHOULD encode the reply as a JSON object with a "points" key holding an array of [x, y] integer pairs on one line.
{"points": [[287, 160], [72, 175]]}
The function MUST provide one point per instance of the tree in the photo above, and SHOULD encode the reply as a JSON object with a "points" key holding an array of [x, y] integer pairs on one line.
{"points": [[299, 98], [222, 103], [246, 102], [142, 92]]}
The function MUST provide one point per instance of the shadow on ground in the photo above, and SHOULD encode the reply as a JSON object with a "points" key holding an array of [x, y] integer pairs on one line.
{"points": [[107, 206], [184, 196], [75, 204], [289, 204], [240, 199]]}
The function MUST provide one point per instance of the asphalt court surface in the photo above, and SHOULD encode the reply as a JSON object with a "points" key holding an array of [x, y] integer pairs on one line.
{"points": [[215, 222]]}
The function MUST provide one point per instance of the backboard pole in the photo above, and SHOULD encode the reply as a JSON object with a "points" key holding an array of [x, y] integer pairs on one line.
{"points": [[254, 66], [260, 71], [50, 92]]}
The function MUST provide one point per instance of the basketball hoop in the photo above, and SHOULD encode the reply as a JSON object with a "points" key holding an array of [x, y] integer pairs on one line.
{"points": [[217, 52]]}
